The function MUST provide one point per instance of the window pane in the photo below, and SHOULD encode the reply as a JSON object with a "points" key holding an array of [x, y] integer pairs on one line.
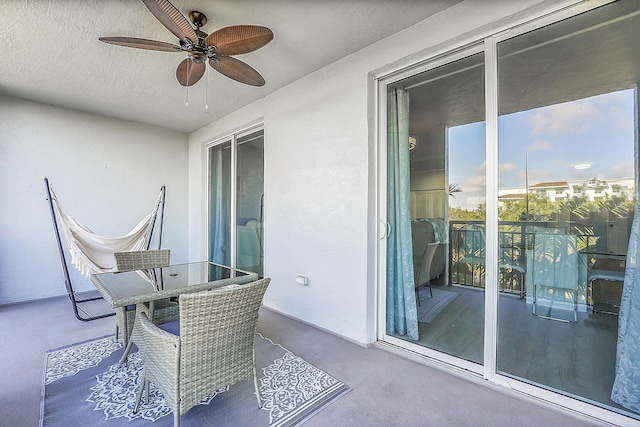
{"points": [[250, 202], [567, 183], [446, 202]]}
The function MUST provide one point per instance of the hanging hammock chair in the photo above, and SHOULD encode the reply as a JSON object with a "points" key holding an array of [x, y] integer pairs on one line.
{"points": [[92, 253]]}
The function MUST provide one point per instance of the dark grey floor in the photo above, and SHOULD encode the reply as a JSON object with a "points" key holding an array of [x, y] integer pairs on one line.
{"points": [[388, 390]]}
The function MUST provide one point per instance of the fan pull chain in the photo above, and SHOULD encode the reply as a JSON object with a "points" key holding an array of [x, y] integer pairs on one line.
{"points": [[206, 93], [186, 104]]}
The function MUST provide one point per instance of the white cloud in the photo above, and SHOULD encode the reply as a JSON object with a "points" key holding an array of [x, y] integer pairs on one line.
{"points": [[507, 167], [482, 168], [472, 192], [504, 168], [570, 117], [582, 116], [474, 184]]}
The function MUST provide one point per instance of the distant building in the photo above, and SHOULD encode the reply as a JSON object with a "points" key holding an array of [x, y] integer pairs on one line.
{"points": [[592, 189], [515, 195], [560, 190]]}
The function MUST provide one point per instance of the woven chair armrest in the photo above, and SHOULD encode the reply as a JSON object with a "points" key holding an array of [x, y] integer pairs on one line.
{"points": [[161, 354], [165, 311], [156, 335]]}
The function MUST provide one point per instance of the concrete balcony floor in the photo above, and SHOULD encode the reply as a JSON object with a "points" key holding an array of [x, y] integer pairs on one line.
{"points": [[387, 389]]}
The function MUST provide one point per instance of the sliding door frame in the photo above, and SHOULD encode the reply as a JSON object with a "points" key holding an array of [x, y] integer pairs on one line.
{"points": [[486, 43], [232, 138], [383, 84]]}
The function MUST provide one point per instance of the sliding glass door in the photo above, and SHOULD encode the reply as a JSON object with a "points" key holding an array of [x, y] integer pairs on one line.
{"points": [[236, 201], [509, 194], [566, 139], [443, 141]]}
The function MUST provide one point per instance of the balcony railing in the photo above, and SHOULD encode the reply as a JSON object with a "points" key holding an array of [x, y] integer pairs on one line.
{"points": [[516, 239]]}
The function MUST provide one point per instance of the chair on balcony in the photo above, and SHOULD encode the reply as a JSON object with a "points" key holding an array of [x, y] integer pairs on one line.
{"points": [[429, 260], [146, 262], [211, 347], [609, 275], [555, 267], [432, 267]]}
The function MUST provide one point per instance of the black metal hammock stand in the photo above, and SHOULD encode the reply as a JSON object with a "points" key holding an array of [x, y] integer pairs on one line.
{"points": [[77, 299]]}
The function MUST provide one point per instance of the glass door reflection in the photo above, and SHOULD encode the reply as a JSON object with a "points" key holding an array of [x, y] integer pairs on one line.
{"points": [[566, 200]]}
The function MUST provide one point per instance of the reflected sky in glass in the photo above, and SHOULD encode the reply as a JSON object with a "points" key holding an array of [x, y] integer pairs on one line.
{"points": [[596, 131]]}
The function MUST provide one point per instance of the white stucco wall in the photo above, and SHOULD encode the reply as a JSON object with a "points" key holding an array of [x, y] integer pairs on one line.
{"points": [[320, 151], [106, 172]]}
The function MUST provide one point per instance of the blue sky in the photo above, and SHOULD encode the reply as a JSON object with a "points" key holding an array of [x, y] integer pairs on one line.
{"points": [[598, 131]]}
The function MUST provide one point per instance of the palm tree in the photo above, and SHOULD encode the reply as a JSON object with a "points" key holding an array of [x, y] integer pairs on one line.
{"points": [[454, 188]]}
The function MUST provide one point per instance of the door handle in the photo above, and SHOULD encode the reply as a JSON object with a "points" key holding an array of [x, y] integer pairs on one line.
{"points": [[386, 229]]}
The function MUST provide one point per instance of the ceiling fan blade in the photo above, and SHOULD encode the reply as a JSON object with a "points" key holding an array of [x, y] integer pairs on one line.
{"points": [[171, 18], [237, 70], [239, 39], [141, 43], [188, 72]]}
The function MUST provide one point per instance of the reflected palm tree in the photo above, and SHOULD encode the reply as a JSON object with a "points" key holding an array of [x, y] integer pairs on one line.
{"points": [[454, 188]]}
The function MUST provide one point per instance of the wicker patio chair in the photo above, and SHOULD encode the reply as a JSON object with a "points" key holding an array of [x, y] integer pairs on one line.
{"points": [[212, 346], [165, 310]]}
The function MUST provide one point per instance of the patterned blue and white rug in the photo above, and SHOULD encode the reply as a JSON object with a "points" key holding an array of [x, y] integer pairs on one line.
{"points": [[83, 386]]}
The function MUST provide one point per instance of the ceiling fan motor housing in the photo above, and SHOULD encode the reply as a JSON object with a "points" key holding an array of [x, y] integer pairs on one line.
{"points": [[198, 57]]}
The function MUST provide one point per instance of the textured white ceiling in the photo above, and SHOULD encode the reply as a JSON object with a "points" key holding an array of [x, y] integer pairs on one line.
{"points": [[51, 53]]}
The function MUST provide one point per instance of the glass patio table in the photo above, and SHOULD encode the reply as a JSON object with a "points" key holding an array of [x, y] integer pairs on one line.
{"points": [[149, 285]]}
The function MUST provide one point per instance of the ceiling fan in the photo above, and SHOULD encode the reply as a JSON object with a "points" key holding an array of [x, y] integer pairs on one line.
{"points": [[215, 48]]}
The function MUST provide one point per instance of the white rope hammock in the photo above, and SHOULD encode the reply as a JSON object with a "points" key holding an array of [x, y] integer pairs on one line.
{"points": [[92, 253]]}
